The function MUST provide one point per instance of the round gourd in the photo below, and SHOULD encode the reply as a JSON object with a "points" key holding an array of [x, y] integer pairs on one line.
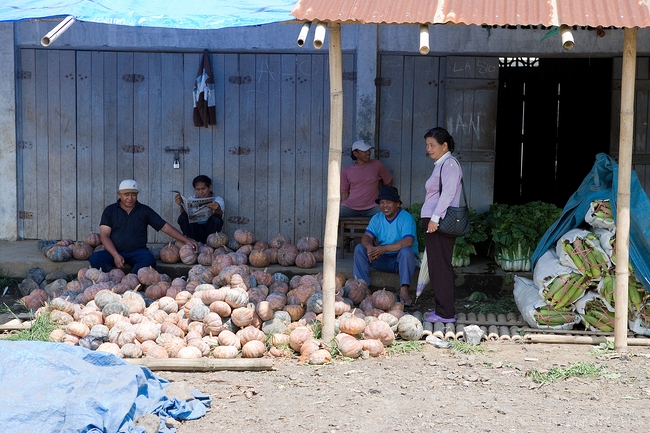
{"points": [[298, 337], [352, 325], [287, 254], [244, 236], [189, 352], [355, 289], [236, 298], [308, 243], [216, 240], [253, 349], [250, 333], [198, 312], [390, 319], [148, 276], [374, 347], [93, 239], [225, 352], [279, 240], [315, 303], [348, 345], [274, 326], [296, 311], [259, 258], [379, 330], [170, 254], [81, 251], [305, 260], [410, 328], [243, 316], [187, 254], [59, 253], [105, 297], [229, 338], [116, 308], [383, 299]]}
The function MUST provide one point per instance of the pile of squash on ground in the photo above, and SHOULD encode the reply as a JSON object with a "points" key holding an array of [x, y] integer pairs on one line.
{"points": [[243, 247], [225, 310]]}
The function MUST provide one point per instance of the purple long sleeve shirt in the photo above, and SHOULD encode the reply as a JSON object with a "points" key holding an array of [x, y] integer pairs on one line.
{"points": [[436, 204]]}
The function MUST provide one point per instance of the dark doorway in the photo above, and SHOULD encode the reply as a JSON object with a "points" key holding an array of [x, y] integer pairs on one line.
{"points": [[553, 117]]}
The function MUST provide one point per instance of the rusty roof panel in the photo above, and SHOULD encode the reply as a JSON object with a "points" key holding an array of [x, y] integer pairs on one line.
{"points": [[606, 13]]}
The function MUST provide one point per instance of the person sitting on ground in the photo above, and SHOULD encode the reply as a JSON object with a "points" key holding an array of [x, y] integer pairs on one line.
{"points": [[389, 243], [123, 232], [360, 182], [200, 231]]}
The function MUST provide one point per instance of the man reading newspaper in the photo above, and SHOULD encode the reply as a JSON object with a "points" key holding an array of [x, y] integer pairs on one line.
{"points": [[201, 213]]}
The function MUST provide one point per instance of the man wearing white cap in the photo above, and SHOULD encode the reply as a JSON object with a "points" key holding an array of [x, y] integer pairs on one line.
{"points": [[360, 182], [123, 231]]}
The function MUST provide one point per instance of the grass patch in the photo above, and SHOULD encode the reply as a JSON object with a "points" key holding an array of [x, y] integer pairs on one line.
{"points": [[317, 327], [579, 369], [603, 349], [402, 347], [479, 302], [466, 348], [39, 331]]}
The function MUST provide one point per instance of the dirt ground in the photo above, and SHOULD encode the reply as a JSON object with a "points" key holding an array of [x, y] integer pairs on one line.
{"points": [[437, 390]]}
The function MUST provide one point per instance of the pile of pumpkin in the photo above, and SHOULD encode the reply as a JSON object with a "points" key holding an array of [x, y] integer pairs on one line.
{"points": [[67, 249], [244, 248], [222, 311]]}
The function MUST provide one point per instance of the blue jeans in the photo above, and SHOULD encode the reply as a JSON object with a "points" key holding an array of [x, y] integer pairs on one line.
{"points": [[402, 263], [137, 259]]}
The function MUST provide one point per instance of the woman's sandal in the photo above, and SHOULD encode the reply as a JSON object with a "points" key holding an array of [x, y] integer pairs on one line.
{"points": [[407, 302]]}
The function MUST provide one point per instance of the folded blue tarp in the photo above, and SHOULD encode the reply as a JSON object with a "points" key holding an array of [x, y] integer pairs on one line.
{"points": [[602, 183], [55, 387]]}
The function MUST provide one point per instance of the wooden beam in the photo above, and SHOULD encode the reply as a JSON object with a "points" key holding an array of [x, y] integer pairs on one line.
{"points": [[204, 364], [580, 339]]}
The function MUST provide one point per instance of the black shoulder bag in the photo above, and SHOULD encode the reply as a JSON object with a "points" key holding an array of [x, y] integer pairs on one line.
{"points": [[456, 222]]}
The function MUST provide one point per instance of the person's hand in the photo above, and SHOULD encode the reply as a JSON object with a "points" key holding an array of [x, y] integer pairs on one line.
{"points": [[193, 243], [374, 253], [178, 199], [432, 227], [214, 205], [119, 261]]}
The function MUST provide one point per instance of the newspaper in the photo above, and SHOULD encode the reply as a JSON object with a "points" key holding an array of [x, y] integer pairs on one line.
{"points": [[197, 208]]}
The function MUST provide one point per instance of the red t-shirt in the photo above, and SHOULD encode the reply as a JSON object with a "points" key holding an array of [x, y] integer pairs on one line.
{"points": [[361, 181]]}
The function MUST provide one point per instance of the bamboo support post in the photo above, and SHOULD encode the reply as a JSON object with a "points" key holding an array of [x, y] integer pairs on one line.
{"points": [[480, 317], [511, 317], [623, 194], [485, 331], [491, 317], [471, 318], [514, 333], [581, 339], [461, 318], [501, 318], [450, 331], [204, 364], [460, 335], [333, 181], [439, 330], [428, 328]]}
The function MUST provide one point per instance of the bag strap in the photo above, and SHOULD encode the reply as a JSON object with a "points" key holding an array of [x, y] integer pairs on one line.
{"points": [[462, 184]]}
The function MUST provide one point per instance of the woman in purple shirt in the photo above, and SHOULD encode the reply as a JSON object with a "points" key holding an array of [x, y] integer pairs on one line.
{"points": [[448, 173]]}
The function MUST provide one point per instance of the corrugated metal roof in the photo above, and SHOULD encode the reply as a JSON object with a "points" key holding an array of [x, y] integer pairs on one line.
{"points": [[594, 13]]}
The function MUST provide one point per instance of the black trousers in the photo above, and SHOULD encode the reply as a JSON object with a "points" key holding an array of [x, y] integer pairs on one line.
{"points": [[440, 249], [200, 232]]}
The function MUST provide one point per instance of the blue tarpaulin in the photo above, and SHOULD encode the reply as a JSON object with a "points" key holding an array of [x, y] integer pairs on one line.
{"points": [[55, 387], [187, 14], [602, 183]]}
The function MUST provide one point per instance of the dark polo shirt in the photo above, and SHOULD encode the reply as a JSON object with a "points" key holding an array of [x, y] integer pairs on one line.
{"points": [[129, 230]]}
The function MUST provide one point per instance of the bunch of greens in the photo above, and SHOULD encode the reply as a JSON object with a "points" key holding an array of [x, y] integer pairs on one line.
{"points": [[464, 246], [516, 230], [415, 211]]}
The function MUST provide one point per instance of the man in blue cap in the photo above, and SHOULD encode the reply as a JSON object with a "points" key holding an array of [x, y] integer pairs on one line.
{"points": [[389, 243]]}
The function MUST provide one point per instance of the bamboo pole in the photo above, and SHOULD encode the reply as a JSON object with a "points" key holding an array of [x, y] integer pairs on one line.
{"points": [[580, 339], [333, 180], [623, 193], [204, 364]]}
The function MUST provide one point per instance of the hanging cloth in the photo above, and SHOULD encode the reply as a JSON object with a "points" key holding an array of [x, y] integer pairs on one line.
{"points": [[204, 98]]}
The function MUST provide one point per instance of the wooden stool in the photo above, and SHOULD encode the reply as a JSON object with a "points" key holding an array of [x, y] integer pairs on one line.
{"points": [[352, 227]]}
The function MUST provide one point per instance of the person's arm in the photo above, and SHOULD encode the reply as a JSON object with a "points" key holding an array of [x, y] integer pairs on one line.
{"points": [[216, 207], [172, 232], [105, 236], [344, 195]]}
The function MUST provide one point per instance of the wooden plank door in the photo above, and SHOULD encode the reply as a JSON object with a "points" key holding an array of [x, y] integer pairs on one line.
{"points": [[408, 91], [471, 89]]}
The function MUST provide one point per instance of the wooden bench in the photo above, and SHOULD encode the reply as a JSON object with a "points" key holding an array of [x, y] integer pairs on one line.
{"points": [[353, 228]]}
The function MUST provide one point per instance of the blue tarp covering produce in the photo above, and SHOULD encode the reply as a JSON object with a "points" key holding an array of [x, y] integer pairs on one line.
{"points": [[55, 387], [188, 14], [600, 184]]}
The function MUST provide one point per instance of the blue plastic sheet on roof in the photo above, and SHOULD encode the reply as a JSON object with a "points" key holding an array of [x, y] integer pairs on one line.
{"points": [[187, 14], [55, 387], [602, 183]]}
